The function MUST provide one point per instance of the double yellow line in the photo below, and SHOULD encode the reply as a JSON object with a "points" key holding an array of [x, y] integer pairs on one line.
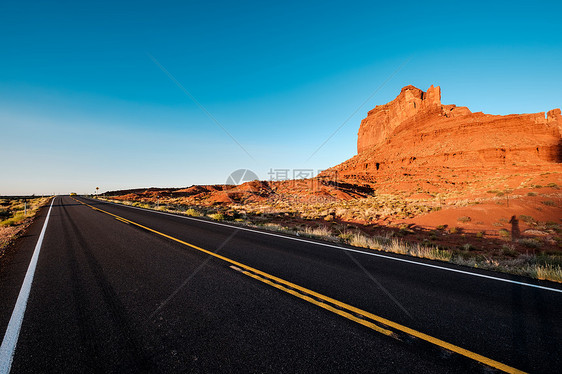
{"points": [[350, 312]]}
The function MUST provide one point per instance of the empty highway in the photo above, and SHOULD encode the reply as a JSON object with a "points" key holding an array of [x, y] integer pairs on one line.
{"points": [[97, 287]]}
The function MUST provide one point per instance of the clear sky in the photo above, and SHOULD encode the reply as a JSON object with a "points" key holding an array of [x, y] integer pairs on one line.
{"points": [[84, 101]]}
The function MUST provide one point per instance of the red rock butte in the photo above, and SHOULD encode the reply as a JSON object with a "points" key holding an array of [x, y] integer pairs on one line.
{"points": [[416, 131]]}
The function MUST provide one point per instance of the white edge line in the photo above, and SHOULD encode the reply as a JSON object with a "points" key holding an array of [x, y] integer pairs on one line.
{"points": [[344, 248], [8, 348]]}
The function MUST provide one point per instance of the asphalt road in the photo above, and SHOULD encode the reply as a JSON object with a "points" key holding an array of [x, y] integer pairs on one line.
{"points": [[128, 290]]}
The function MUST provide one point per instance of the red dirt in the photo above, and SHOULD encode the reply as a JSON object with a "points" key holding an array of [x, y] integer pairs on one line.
{"points": [[489, 217]]}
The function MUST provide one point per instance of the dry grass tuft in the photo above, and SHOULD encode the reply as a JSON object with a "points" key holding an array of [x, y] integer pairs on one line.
{"points": [[549, 272]]}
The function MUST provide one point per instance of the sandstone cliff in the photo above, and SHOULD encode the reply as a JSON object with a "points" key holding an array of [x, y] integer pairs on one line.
{"points": [[416, 131]]}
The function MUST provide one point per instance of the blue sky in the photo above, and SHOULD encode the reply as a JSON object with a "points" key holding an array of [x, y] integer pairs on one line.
{"points": [[82, 104]]}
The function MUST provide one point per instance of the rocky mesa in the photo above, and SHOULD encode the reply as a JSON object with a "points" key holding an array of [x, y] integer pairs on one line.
{"points": [[415, 131]]}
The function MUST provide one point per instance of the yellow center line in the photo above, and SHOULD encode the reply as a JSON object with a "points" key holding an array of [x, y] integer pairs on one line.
{"points": [[324, 305], [267, 278], [122, 220]]}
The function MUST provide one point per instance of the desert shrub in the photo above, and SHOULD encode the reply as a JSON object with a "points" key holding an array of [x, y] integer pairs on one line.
{"points": [[455, 230], [464, 219], [480, 234], [530, 242], [548, 203], [441, 227], [345, 236], [552, 226], [192, 212], [531, 194], [527, 219], [468, 247], [216, 216], [404, 230], [16, 205], [4, 213], [553, 185], [543, 259], [12, 221], [504, 233], [508, 250]]}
